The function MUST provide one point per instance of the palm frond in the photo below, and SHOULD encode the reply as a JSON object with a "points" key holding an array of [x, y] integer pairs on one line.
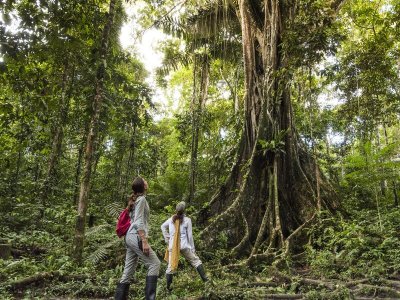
{"points": [[173, 26], [213, 19], [114, 209], [99, 228]]}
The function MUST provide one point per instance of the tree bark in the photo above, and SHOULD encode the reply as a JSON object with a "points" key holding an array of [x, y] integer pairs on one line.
{"points": [[5, 251], [57, 138], [272, 189], [197, 111], [394, 182], [395, 196], [92, 136], [129, 165], [382, 183], [14, 178], [78, 169]]}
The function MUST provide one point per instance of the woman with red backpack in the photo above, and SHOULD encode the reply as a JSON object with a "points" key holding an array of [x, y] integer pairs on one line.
{"points": [[137, 245]]}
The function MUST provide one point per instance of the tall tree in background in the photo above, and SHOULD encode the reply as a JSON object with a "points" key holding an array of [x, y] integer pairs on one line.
{"points": [[204, 44], [92, 133], [366, 77], [200, 91], [272, 188]]}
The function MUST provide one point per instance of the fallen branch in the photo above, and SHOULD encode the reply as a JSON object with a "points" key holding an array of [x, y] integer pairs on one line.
{"points": [[356, 282], [384, 289], [22, 283], [329, 285], [260, 284], [40, 277], [304, 281], [392, 283], [29, 251], [283, 296]]}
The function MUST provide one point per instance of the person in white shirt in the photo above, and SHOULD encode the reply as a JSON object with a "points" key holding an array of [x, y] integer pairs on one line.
{"points": [[184, 245]]}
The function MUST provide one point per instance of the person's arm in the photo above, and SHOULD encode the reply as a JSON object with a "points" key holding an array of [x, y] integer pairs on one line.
{"points": [[165, 231], [139, 222], [190, 234], [139, 214]]}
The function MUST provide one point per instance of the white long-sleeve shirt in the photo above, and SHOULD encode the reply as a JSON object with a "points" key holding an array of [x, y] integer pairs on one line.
{"points": [[168, 230], [140, 216]]}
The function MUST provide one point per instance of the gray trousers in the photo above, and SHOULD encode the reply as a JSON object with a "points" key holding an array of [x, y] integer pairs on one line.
{"points": [[190, 256], [133, 254]]}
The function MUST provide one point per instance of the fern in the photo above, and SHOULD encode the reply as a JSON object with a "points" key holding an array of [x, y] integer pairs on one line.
{"points": [[102, 252]]}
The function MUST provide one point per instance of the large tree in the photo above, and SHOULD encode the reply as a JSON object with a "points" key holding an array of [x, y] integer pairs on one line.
{"points": [[93, 129], [273, 189]]}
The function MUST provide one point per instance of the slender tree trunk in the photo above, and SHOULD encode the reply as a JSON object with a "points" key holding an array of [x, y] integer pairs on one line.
{"points": [[78, 169], [395, 195], [197, 111], [118, 173], [394, 181], [14, 182], [233, 89], [57, 138], [97, 154], [92, 136], [129, 165], [15, 176], [383, 183]]}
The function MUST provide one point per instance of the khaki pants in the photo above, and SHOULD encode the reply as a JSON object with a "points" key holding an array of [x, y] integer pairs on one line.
{"points": [[190, 256]]}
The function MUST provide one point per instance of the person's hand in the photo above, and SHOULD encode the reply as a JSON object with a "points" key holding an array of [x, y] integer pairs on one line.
{"points": [[146, 248]]}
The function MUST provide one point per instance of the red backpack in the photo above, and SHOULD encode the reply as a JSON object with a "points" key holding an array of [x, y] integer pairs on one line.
{"points": [[123, 223]]}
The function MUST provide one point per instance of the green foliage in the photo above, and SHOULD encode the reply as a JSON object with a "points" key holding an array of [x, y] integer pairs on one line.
{"points": [[275, 145], [367, 168], [47, 71], [366, 246]]}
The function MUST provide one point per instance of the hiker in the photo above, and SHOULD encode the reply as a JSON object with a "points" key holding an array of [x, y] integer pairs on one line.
{"points": [[137, 245], [177, 232]]}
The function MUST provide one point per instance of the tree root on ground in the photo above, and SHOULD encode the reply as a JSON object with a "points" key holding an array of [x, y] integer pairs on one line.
{"points": [[38, 278], [359, 289], [378, 288]]}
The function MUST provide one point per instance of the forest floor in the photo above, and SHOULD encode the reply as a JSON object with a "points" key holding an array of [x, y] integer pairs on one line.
{"points": [[344, 259], [223, 284]]}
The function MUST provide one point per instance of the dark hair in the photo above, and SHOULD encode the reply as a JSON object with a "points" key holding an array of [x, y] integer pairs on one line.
{"points": [[137, 190], [179, 215]]}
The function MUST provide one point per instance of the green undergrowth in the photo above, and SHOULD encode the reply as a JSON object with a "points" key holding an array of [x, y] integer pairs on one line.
{"points": [[363, 245], [366, 245]]}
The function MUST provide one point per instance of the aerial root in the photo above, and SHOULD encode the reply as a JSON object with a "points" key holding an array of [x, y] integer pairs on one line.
{"points": [[245, 238]]}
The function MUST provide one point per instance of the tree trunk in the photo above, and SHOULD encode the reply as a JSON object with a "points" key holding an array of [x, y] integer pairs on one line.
{"points": [[396, 197], [14, 176], [272, 190], [5, 251], [382, 183], [394, 181], [78, 169], [92, 136], [116, 189], [57, 138], [129, 165], [197, 111]]}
